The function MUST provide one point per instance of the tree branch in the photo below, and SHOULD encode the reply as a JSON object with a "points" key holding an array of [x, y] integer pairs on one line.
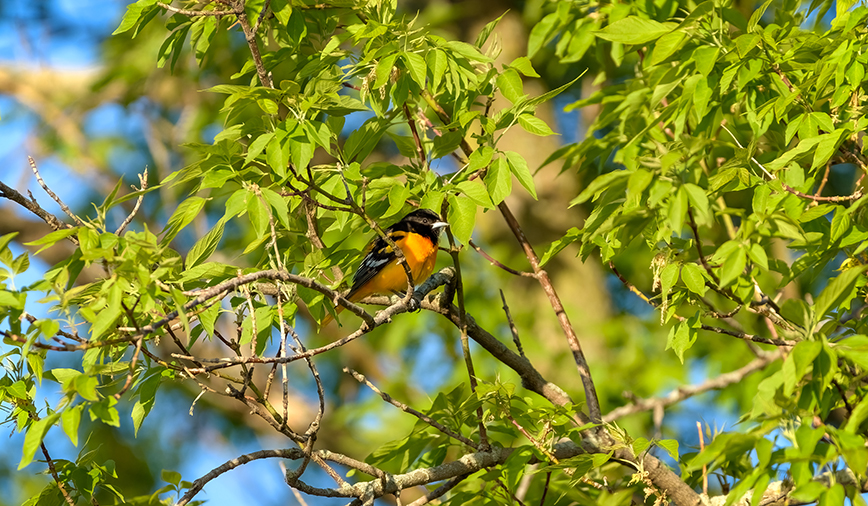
{"points": [[33, 207], [685, 392]]}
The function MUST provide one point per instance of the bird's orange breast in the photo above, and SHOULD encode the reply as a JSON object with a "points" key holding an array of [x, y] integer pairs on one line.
{"points": [[421, 255]]}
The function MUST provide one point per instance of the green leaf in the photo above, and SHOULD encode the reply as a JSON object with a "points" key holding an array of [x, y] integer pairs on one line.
{"points": [[183, 216], [205, 246], [757, 15], [854, 451], [486, 31], [33, 439], [733, 266], [678, 210], [523, 65], [51, 238], [86, 385], [468, 51], [540, 33], [147, 395], [572, 235], [277, 153], [258, 216], [278, 206], [640, 445], [498, 180], [106, 316], [859, 415], [692, 276], [398, 195], [282, 10], [257, 146], [172, 477], [436, 60], [384, 71], [668, 277], [671, 447], [363, 140], [518, 166], [681, 338], [70, 420], [666, 46], [758, 256], [699, 202], [837, 295], [480, 158], [417, 67], [797, 363], [705, 57], [745, 43], [172, 46], [633, 30], [534, 125], [598, 185], [12, 300], [18, 390], [136, 13], [510, 85], [840, 223], [827, 145], [476, 192], [461, 217], [300, 151]]}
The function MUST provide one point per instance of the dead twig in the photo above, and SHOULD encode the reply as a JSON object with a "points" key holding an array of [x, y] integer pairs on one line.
{"points": [[53, 195], [143, 185]]}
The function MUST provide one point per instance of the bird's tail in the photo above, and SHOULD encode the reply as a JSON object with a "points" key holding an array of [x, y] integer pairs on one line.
{"points": [[354, 295], [329, 318]]}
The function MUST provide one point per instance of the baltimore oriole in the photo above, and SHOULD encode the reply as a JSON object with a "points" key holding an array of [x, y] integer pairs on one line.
{"points": [[416, 234]]}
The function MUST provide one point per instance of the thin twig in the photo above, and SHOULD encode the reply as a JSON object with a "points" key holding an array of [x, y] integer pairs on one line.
{"points": [[250, 37], [193, 14], [630, 286], [834, 198], [558, 307], [439, 491], [465, 343], [698, 243], [704, 467], [381, 318], [262, 15], [407, 409], [824, 180], [132, 368], [542, 500], [420, 151], [506, 489], [498, 264], [314, 426], [754, 160], [53, 471], [685, 392], [292, 453], [512, 327], [53, 195], [31, 205], [143, 185], [549, 455]]}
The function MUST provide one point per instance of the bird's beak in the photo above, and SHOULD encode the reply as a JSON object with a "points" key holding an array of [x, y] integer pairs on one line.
{"points": [[437, 225]]}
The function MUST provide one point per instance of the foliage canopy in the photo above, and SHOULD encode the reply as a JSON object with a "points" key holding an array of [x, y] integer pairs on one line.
{"points": [[720, 186]]}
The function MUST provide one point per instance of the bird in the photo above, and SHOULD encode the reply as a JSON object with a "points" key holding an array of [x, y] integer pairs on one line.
{"points": [[417, 235]]}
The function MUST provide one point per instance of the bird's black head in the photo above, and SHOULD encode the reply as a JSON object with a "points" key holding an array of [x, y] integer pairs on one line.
{"points": [[424, 221]]}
